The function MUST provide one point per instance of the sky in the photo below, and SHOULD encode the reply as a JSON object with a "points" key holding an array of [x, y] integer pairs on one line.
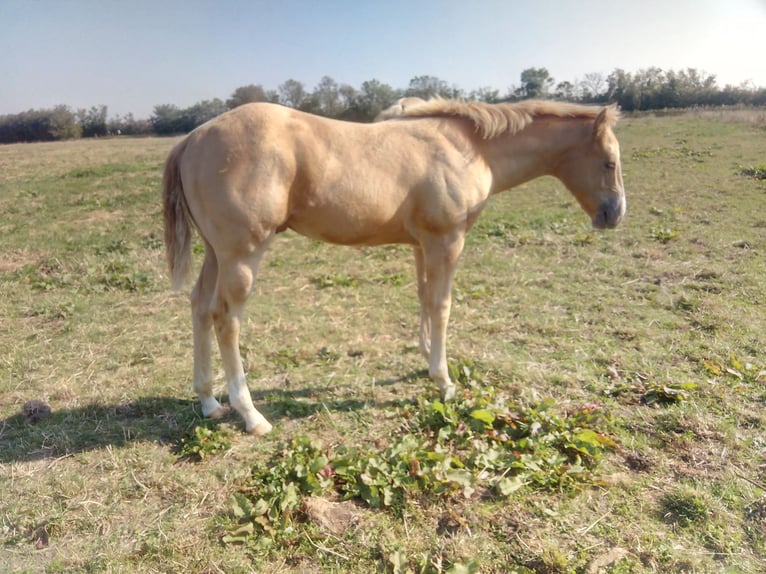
{"points": [[132, 55]]}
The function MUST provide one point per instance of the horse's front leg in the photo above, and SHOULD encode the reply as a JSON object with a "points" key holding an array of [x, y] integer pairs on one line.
{"points": [[424, 334], [441, 254]]}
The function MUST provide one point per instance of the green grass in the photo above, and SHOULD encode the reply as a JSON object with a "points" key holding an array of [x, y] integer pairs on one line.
{"points": [[659, 328]]}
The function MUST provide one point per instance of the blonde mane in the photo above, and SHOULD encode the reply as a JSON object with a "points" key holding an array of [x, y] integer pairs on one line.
{"points": [[493, 120]]}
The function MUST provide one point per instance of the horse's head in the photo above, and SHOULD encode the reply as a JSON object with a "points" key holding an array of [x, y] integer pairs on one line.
{"points": [[591, 171]]}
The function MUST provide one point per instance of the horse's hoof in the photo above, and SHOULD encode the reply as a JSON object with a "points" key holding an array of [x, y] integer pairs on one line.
{"points": [[448, 392], [260, 429], [219, 413]]}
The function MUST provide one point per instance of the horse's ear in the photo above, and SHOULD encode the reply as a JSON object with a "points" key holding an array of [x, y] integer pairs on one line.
{"points": [[600, 125], [606, 118]]}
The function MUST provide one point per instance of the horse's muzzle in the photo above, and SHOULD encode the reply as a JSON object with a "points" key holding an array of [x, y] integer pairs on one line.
{"points": [[610, 213]]}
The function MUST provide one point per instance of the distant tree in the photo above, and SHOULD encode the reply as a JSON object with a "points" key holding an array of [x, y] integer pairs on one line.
{"points": [[201, 112], [325, 100], [63, 124], [93, 121], [347, 96], [688, 87], [745, 93], [58, 123], [757, 97], [128, 126], [592, 87], [19, 128], [292, 94], [535, 83], [648, 88], [488, 95], [649, 84], [430, 86], [622, 89], [167, 119], [249, 94], [565, 91], [372, 98]]}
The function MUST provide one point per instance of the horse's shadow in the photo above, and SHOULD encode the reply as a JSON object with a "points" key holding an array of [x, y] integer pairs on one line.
{"points": [[158, 419]]}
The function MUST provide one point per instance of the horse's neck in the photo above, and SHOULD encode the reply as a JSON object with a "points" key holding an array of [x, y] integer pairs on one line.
{"points": [[535, 151]]}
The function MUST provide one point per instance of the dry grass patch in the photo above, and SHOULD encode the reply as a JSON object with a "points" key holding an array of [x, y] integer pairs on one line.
{"points": [[659, 326]]}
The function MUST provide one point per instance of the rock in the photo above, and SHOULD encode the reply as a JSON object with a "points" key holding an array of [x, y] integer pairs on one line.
{"points": [[335, 517]]}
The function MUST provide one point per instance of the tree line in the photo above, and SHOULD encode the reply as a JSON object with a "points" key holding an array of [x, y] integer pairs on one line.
{"points": [[646, 89]]}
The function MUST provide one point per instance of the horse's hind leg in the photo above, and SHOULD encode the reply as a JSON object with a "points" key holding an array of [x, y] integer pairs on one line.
{"points": [[202, 321], [235, 281]]}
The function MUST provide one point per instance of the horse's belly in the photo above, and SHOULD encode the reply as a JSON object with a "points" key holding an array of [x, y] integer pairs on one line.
{"points": [[350, 233]]}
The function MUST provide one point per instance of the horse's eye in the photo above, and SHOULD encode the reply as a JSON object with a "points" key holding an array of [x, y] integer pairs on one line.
{"points": [[610, 165]]}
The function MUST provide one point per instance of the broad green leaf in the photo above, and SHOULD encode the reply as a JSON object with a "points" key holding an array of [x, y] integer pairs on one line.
{"points": [[240, 506], [508, 485], [371, 495], [240, 535], [483, 415], [591, 437], [290, 498], [260, 507], [459, 476], [388, 495]]}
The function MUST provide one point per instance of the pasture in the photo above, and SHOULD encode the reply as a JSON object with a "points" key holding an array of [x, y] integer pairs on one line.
{"points": [[634, 362]]}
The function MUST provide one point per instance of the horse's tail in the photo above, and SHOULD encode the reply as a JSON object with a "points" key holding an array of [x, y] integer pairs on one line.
{"points": [[178, 233]]}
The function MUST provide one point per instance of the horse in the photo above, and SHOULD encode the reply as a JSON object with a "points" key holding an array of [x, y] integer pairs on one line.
{"points": [[420, 178]]}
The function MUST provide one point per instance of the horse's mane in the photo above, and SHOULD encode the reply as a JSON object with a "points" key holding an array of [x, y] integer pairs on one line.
{"points": [[492, 120]]}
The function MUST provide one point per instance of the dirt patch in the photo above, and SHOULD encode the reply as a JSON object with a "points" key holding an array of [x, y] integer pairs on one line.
{"points": [[602, 562], [14, 260], [639, 462], [99, 215]]}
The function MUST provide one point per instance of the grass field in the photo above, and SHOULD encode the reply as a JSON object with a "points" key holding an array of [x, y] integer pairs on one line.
{"points": [[632, 364]]}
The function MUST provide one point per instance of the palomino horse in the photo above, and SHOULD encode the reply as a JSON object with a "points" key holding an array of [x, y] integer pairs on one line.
{"points": [[421, 178]]}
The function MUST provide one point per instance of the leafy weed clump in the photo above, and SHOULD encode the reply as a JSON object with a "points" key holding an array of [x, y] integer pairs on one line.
{"points": [[756, 172], [480, 446], [734, 370], [683, 507], [663, 234], [204, 442], [119, 276]]}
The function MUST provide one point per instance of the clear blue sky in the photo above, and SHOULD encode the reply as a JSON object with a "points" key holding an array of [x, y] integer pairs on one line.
{"points": [[134, 54]]}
